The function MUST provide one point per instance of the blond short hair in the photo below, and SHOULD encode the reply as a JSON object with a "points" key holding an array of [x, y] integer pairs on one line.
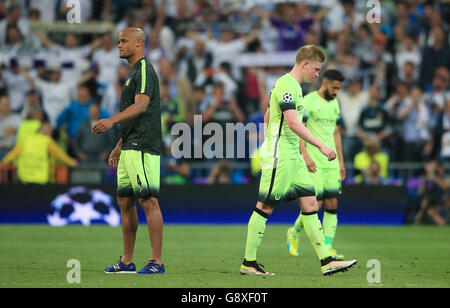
{"points": [[310, 53]]}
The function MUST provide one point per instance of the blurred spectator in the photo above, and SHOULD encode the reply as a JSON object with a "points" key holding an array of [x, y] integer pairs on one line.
{"points": [[228, 46], [15, 42], [56, 94], [77, 112], [398, 99], [371, 175], [107, 60], [220, 173], [292, 21], [406, 16], [414, 117], [381, 64], [34, 156], [30, 125], [179, 87], [174, 170], [441, 146], [111, 100], [342, 18], [363, 49], [224, 75], [90, 147], [156, 52], [352, 101], [344, 59], [73, 58], [436, 97], [363, 161], [434, 192], [9, 123], [32, 102], [46, 8], [14, 19], [16, 84], [198, 65], [172, 108], [220, 109], [409, 74], [198, 97], [2, 80], [409, 52], [254, 92], [374, 119], [434, 56]]}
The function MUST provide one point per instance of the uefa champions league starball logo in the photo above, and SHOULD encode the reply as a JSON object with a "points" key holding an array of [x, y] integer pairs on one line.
{"points": [[287, 97], [85, 206]]}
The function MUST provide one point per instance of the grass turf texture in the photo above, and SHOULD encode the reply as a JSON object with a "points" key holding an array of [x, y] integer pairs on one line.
{"points": [[209, 256]]}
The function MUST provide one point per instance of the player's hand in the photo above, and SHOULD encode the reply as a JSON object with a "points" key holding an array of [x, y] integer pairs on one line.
{"points": [[102, 126], [114, 157], [343, 173], [310, 165], [328, 152]]}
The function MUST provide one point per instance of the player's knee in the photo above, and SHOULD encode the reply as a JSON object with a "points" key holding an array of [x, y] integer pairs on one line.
{"points": [[149, 204], [266, 208], [331, 204], [308, 204], [126, 203]]}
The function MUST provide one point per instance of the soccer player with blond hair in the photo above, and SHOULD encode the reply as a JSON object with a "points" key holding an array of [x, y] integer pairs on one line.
{"points": [[285, 175]]}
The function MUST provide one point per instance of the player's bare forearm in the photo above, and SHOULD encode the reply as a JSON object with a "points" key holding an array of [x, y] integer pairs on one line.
{"points": [[119, 144], [302, 148], [300, 130], [140, 106], [338, 143], [266, 121], [267, 117], [308, 160]]}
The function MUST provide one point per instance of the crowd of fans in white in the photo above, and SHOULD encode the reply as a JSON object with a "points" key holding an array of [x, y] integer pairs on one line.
{"points": [[397, 70]]}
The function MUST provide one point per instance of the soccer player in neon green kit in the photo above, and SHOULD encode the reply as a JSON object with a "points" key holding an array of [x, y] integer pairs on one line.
{"points": [[322, 116], [284, 174]]}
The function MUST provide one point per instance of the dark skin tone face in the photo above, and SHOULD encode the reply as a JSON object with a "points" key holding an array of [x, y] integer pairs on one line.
{"points": [[332, 89], [131, 44]]}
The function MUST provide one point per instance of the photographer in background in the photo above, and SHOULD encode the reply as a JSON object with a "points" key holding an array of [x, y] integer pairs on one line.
{"points": [[433, 190]]}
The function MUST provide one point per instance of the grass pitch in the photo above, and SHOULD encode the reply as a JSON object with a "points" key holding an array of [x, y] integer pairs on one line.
{"points": [[209, 256]]}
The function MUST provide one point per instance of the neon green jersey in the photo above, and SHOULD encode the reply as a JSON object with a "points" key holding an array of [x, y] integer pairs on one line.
{"points": [[321, 118], [280, 140]]}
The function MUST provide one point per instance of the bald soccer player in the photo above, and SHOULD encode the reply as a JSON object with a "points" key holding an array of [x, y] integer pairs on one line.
{"points": [[137, 154]]}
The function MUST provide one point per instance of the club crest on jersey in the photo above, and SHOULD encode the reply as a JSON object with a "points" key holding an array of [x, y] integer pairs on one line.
{"points": [[300, 108]]}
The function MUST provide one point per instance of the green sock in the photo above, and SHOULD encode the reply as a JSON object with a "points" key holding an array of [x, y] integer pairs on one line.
{"points": [[313, 229], [255, 233], [298, 225], [329, 227]]}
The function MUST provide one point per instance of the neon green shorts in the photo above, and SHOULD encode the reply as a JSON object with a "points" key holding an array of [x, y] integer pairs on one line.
{"points": [[138, 174], [284, 180], [327, 183]]}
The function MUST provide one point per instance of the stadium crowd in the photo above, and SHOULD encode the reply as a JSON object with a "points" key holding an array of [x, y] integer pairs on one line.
{"points": [[395, 102]]}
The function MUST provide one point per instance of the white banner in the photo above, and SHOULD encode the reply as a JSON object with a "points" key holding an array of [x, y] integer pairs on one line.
{"points": [[246, 4], [286, 58]]}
